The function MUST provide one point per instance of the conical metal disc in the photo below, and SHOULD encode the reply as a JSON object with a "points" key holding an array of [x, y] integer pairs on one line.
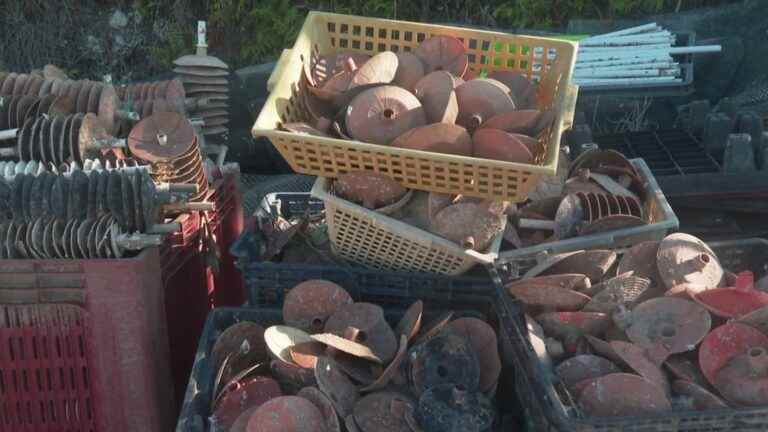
{"points": [[200, 61], [161, 137], [683, 258]]}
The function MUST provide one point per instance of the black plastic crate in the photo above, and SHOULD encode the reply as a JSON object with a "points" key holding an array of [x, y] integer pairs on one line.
{"points": [[196, 407], [682, 167], [541, 395]]}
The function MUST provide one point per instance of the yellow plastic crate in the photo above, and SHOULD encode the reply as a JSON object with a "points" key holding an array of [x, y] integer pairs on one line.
{"points": [[549, 62], [381, 242]]}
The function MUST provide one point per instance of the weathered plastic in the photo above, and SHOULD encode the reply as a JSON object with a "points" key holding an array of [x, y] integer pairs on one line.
{"points": [[662, 221], [548, 61]]}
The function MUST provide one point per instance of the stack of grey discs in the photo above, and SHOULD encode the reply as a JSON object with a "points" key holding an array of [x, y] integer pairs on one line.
{"points": [[206, 77]]}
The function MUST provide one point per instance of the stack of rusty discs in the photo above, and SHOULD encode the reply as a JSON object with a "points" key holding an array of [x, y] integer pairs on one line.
{"points": [[167, 141], [148, 98], [86, 96], [206, 77]]}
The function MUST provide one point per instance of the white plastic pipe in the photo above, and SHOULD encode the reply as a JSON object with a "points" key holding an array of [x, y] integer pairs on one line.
{"points": [[626, 73], [629, 40], [627, 62], [628, 66], [701, 49], [602, 82], [628, 31], [8, 134], [604, 50]]}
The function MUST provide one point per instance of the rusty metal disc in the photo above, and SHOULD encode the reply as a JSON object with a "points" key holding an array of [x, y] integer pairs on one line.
{"points": [[286, 414], [44, 149], [135, 178], [392, 369], [640, 259], [128, 202], [702, 399], [102, 202], [520, 122], [436, 93], [370, 328], [11, 112], [57, 128], [622, 394], [348, 345], [548, 296], [9, 84], [3, 237], [243, 343], [108, 105], [247, 395], [480, 100], [379, 69], [569, 216], [92, 240], [305, 354], [410, 69], [576, 371], [611, 223], [563, 324], [359, 370], [325, 405], [23, 105], [35, 202], [19, 83], [26, 191], [668, 324], [60, 196], [725, 343], [93, 184], [28, 148], [94, 96], [115, 197], [57, 233], [4, 102], [201, 71], [78, 195], [34, 240], [684, 258], [82, 237], [336, 385], [383, 412], [161, 137], [596, 159], [521, 89], [453, 408], [757, 319], [10, 238], [592, 263], [73, 143], [196, 89], [743, 380], [447, 358], [91, 132], [623, 290], [733, 302], [437, 137], [498, 145], [20, 243], [102, 231], [73, 91], [36, 83], [680, 367], [443, 53], [410, 324], [434, 327], [638, 360], [381, 114], [280, 339], [62, 146], [83, 96], [484, 342]]}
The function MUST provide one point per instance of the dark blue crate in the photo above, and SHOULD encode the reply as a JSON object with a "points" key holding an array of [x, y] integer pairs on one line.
{"points": [[196, 407]]}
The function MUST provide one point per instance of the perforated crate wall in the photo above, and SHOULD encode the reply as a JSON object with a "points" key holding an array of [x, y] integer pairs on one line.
{"points": [[547, 61], [384, 243], [45, 381]]}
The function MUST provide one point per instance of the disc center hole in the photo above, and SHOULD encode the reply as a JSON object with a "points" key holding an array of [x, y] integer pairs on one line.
{"points": [[442, 372], [757, 352], [317, 324], [668, 331], [389, 113]]}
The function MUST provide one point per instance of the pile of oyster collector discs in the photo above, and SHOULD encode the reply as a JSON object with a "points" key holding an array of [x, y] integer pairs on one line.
{"points": [[338, 365], [427, 100], [662, 328]]}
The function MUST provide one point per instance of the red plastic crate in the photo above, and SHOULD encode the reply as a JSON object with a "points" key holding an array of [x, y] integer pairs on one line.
{"points": [[111, 344], [192, 287]]}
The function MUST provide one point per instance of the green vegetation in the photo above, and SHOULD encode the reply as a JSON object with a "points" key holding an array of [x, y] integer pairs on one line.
{"points": [[252, 31]]}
